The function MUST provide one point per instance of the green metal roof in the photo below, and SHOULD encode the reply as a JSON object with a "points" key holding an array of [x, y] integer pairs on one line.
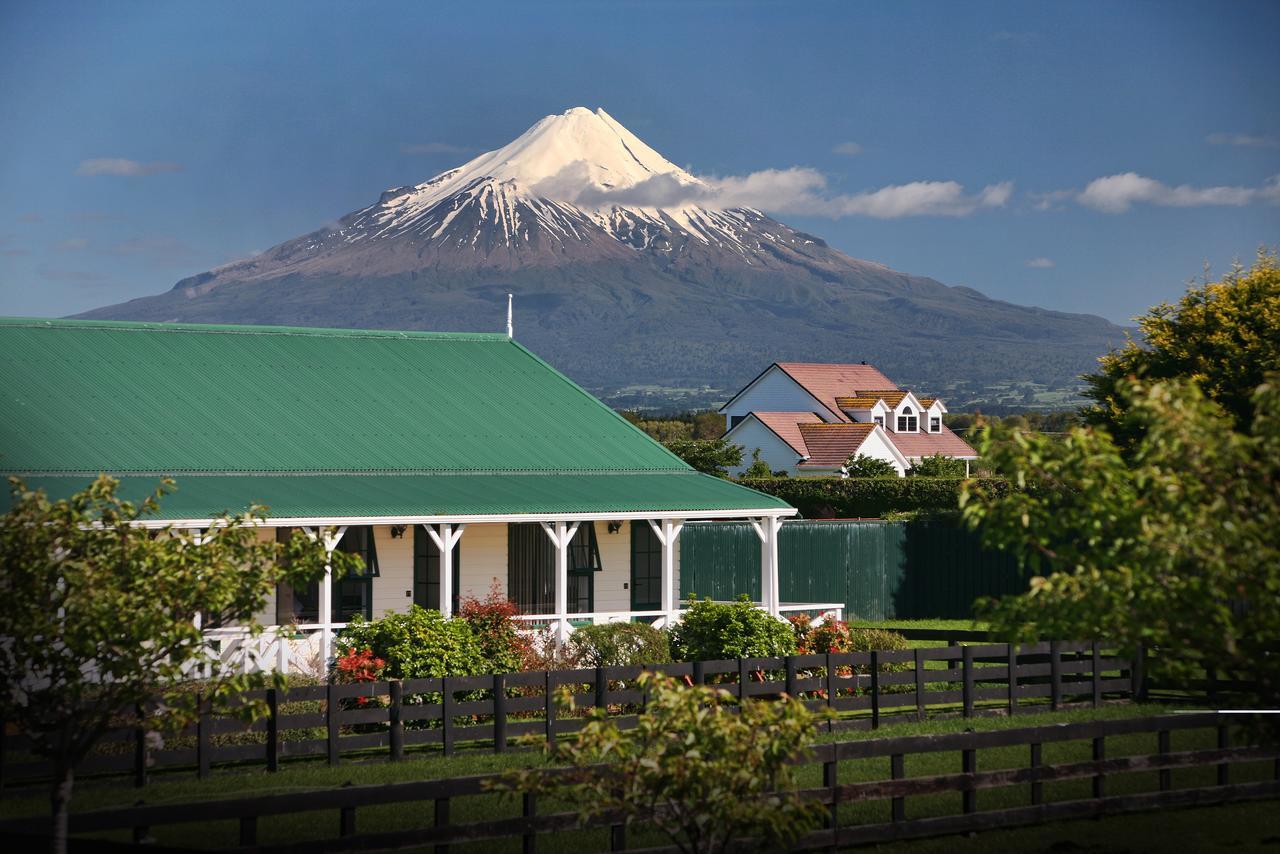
{"points": [[253, 404], [400, 495]]}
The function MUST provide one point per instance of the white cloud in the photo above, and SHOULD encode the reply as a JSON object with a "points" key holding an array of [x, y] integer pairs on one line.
{"points": [[798, 190], [432, 148], [848, 149], [1243, 139], [1041, 263], [1117, 193], [124, 167]]}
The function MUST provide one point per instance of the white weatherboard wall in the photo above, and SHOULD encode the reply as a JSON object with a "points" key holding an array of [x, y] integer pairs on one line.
{"points": [[876, 447], [751, 434], [776, 392], [395, 571]]}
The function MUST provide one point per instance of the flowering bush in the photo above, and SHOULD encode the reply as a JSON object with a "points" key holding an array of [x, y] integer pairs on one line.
{"points": [[492, 621], [359, 665]]}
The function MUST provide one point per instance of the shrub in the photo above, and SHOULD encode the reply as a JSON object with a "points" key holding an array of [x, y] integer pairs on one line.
{"points": [[833, 497], [619, 645], [417, 644], [860, 465], [722, 773], [492, 620], [709, 631], [937, 465]]}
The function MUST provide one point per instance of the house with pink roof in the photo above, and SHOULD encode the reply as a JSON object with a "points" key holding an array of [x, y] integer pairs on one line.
{"points": [[807, 419]]}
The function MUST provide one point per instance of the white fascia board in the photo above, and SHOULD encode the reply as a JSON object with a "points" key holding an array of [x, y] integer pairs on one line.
{"points": [[621, 516], [909, 398], [897, 454]]}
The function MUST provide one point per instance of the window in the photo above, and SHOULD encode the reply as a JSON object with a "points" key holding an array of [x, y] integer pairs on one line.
{"points": [[531, 568], [351, 595], [646, 568], [735, 420], [426, 571], [879, 419], [935, 424], [907, 421]]}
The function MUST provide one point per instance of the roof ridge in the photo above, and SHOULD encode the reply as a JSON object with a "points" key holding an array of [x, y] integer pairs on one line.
{"points": [[243, 329]]}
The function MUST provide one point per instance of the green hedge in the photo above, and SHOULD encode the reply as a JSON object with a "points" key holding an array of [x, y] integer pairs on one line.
{"points": [[867, 498]]}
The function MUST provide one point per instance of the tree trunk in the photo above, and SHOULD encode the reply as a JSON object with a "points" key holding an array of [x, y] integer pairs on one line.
{"points": [[60, 803]]}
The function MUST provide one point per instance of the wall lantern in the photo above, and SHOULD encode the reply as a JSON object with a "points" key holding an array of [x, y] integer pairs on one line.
{"points": [[615, 527], [397, 532]]}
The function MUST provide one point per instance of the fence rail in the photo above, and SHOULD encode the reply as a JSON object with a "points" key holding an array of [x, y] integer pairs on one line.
{"points": [[493, 712], [894, 791]]}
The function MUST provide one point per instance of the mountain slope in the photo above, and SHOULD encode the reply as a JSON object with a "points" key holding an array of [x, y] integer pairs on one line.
{"points": [[626, 274]]}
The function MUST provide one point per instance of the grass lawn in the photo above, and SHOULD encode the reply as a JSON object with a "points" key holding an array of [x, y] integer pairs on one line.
{"points": [[936, 625], [301, 777]]}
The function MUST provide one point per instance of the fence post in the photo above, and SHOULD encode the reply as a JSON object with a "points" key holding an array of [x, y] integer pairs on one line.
{"points": [[347, 821], [1211, 677], [742, 681], [790, 664], [969, 765], [1139, 688], [875, 689], [831, 690], [1055, 675], [830, 780], [919, 655], [1099, 779], [699, 673], [202, 737], [273, 730], [395, 721], [1012, 658], [897, 772], [617, 837], [1037, 788], [442, 820], [1162, 745], [1097, 675], [602, 689], [500, 713], [551, 709], [331, 720], [966, 692], [3, 739], [248, 830], [140, 749], [446, 716], [529, 809]]}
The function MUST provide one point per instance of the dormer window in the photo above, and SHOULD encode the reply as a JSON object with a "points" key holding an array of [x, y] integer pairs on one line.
{"points": [[935, 424], [879, 420], [907, 421]]}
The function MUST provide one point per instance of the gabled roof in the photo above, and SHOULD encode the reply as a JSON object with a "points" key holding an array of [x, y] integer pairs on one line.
{"points": [[786, 426], [827, 382], [923, 444], [831, 444], [857, 402], [891, 396], [249, 402]]}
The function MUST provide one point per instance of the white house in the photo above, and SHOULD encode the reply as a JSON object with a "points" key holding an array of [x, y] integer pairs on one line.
{"points": [[450, 461], [807, 419]]}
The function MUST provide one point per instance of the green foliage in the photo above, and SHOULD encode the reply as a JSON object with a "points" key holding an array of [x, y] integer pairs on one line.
{"points": [[710, 775], [709, 456], [492, 621], [705, 424], [867, 498], [937, 465], [860, 465], [619, 645], [711, 631], [1224, 336], [417, 644], [758, 467], [98, 615], [1170, 542], [964, 423]]}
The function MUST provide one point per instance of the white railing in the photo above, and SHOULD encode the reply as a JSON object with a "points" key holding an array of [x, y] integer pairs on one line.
{"points": [[663, 619]]}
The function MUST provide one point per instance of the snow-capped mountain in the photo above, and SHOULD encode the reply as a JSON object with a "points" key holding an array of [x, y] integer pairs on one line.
{"points": [[615, 253]]}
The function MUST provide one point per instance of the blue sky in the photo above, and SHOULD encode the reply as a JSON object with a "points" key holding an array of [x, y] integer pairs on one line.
{"points": [[143, 142]]}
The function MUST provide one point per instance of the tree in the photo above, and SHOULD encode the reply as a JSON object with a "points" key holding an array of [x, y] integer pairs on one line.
{"points": [[860, 465], [98, 616], [708, 425], [710, 774], [709, 456], [937, 465], [758, 467], [1224, 336], [1168, 543]]}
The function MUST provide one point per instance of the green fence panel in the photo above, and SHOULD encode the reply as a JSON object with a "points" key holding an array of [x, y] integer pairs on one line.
{"points": [[879, 570]]}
